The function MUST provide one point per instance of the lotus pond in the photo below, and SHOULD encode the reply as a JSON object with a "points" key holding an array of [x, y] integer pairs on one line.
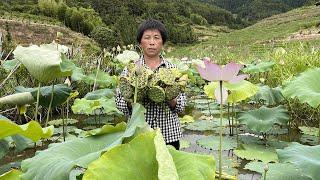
{"points": [[233, 128]]}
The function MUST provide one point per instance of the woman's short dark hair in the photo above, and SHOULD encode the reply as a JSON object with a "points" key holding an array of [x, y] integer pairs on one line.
{"points": [[152, 24]]}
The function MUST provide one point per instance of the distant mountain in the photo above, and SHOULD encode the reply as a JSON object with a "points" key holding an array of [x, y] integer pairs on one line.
{"points": [[113, 22], [254, 10]]}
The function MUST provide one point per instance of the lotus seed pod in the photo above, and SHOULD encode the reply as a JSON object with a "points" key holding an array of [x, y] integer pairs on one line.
{"points": [[156, 94], [167, 76], [125, 88], [172, 92]]}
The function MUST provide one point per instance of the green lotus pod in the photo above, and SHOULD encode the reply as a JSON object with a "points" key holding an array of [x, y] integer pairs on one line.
{"points": [[172, 91], [154, 80], [167, 76], [156, 94], [126, 88]]}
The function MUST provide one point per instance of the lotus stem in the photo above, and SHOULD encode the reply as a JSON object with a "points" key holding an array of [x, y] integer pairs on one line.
{"points": [[11, 72], [49, 109], [98, 68], [236, 124], [63, 129], [230, 132], [135, 91], [319, 127], [209, 107], [220, 140], [266, 168], [37, 105]]}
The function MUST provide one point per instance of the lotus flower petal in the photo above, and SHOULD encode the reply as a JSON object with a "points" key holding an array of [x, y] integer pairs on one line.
{"points": [[224, 95], [239, 78], [230, 71], [211, 72]]}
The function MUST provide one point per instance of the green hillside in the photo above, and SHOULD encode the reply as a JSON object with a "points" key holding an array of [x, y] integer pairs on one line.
{"points": [[278, 30], [254, 10]]}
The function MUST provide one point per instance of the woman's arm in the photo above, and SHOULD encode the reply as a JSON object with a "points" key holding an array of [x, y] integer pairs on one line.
{"points": [[178, 104]]}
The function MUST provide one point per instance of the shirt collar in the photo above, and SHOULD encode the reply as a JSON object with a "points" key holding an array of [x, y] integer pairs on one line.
{"points": [[163, 62]]}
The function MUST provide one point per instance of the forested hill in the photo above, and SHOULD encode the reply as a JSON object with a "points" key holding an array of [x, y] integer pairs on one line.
{"points": [[254, 10], [113, 22]]}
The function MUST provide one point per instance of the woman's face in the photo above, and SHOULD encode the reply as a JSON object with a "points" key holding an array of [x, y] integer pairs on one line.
{"points": [[151, 43]]}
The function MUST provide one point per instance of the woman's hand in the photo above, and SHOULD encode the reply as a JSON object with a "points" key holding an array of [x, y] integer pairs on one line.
{"points": [[172, 104]]}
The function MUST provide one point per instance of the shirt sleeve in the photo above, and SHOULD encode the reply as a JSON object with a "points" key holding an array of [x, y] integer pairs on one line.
{"points": [[181, 103]]}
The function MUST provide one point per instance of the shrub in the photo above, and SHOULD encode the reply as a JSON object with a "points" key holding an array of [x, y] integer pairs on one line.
{"points": [[198, 19], [104, 36]]}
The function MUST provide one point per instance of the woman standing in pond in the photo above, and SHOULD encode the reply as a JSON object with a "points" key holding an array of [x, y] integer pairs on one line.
{"points": [[151, 37]]}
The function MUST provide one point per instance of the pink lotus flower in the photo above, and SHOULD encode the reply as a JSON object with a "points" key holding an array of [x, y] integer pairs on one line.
{"points": [[228, 73]]}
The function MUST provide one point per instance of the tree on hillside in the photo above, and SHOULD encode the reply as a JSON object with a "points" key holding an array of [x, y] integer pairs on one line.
{"points": [[126, 28], [48, 7]]}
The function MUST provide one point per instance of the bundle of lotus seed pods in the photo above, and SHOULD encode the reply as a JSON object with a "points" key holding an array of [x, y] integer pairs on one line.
{"points": [[160, 86]]}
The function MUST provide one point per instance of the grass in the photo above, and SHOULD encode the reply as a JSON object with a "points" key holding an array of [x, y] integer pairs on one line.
{"points": [[256, 39]]}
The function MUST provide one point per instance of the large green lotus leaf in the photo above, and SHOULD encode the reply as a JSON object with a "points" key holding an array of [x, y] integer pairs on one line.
{"points": [[263, 119], [193, 166], [77, 74], [107, 128], [187, 119], [307, 158], [11, 175], [9, 65], [7, 167], [202, 101], [4, 147], [305, 87], [3, 117], [256, 152], [21, 143], [59, 159], [61, 122], [104, 80], [18, 99], [166, 166], [206, 125], [61, 92], [212, 142], [137, 120], [275, 130], [212, 106], [210, 88], [184, 144], [43, 64], [269, 96], [89, 107], [108, 93], [238, 92], [283, 171], [259, 68], [135, 160], [312, 131], [274, 143], [31, 130], [55, 46], [310, 140]]}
